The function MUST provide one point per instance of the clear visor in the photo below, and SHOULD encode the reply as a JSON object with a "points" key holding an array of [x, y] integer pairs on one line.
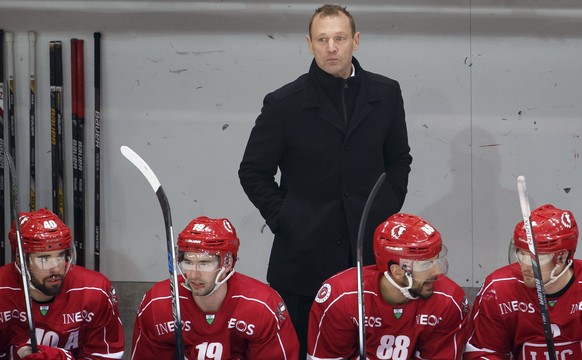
{"points": [[200, 261], [49, 261], [524, 256], [438, 265]]}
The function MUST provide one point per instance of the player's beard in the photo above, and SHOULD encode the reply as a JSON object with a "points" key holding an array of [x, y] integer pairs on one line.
{"points": [[46, 286], [423, 289]]}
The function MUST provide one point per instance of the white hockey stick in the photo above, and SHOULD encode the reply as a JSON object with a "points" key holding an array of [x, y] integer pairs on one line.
{"points": [[535, 262], [360, 261], [172, 264], [23, 271]]}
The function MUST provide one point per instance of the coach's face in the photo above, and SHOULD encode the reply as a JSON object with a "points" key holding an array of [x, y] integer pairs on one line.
{"points": [[332, 44]]}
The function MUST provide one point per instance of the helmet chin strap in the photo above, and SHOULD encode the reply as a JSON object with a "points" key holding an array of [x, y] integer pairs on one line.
{"points": [[553, 277], [217, 283], [404, 290]]}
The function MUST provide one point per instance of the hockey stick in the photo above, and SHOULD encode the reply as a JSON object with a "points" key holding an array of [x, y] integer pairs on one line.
{"points": [[142, 166], [60, 129], [23, 272], [360, 261], [54, 154], [11, 101], [32, 116], [535, 262], [78, 114], [97, 142], [2, 188]]}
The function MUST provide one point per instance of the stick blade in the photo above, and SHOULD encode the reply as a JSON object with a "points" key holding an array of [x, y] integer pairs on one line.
{"points": [[523, 198], [142, 166]]}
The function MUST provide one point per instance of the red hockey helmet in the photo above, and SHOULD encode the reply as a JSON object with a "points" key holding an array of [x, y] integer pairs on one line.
{"points": [[213, 236], [405, 236], [41, 231], [554, 230]]}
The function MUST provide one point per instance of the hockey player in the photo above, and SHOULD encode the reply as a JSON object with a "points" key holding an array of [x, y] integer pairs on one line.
{"points": [[74, 309], [412, 310], [225, 315], [506, 315]]}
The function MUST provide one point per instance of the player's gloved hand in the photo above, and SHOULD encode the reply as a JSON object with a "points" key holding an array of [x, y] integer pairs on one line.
{"points": [[44, 353]]}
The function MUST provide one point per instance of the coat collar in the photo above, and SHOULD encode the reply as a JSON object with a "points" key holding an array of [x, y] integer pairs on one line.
{"points": [[315, 98]]}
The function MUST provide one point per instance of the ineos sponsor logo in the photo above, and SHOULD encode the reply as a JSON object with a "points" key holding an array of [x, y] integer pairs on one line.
{"points": [[8, 315], [516, 306], [79, 316], [427, 319], [241, 326], [168, 327]]}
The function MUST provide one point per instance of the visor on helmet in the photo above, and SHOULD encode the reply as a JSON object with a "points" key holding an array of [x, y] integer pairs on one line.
{"points": [[199, 261], [440, 263]]}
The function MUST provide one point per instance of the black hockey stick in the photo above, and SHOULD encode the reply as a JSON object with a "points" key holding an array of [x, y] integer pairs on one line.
{"points": [[23, 272], [535, 262], [78, 122], [97, 142], [32, 116], [2, 188], [60, 130], [11, 100], [142, 166], [360, 261], [54, 152]]}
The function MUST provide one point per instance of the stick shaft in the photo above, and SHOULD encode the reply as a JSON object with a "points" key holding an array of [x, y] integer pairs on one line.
{"points": [[360, 262], [2, 180], [543, 303], [97, 144], [32, 116]]}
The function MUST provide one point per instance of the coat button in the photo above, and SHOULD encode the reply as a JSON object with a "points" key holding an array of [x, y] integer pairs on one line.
{"points": [[338, 241], [346, 193]]}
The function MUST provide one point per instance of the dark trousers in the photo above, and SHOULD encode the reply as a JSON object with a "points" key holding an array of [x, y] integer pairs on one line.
{"points": [[298, 307]]}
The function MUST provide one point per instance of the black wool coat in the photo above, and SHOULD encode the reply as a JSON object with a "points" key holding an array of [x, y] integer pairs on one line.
{"points": [[327, 170]]}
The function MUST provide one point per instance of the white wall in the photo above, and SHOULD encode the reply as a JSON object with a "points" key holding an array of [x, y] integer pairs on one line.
{"points": [[491, 88]]}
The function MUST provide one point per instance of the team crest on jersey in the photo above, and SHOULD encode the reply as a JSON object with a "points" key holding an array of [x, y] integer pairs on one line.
{"points": [[210, 319], [44, 309], [281, 311], [552, 302], [323, 293], [398, 313]]}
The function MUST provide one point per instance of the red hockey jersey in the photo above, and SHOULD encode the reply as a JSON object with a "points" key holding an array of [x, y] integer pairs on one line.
{"points": [[252, 323], [432, 328], [507, 320], [83, 318]]}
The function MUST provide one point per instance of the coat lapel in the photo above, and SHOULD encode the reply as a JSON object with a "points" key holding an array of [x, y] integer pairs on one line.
{"points": [[315, 98], [366, 97]]}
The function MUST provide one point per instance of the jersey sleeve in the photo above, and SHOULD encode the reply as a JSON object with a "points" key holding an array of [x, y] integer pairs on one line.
{"points": [[104, 340], [489, 336], [449, 337], [276, 338], [331, 334]]}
